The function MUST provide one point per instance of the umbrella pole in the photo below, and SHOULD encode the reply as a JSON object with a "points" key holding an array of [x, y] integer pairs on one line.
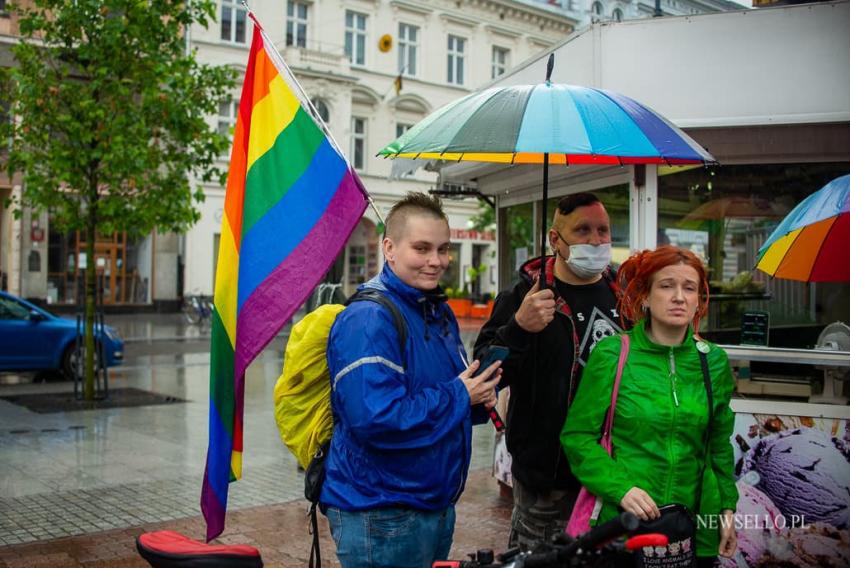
{"points": [[543, 221]]}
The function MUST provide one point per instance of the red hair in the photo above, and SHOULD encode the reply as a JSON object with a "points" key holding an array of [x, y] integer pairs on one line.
{"points": [[635, 279]]}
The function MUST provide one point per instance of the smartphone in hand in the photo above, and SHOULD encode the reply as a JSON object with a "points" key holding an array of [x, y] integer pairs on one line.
{"points": [[494, 353]]}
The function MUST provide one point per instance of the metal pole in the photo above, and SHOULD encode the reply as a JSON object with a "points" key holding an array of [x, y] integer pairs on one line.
{"points": [[543, 221]]}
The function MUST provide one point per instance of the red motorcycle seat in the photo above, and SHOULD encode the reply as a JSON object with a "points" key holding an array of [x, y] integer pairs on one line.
{"points": [[169, 549]]}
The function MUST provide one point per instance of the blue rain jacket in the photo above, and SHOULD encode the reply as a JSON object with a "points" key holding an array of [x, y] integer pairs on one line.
{"points": [[402, 422]]}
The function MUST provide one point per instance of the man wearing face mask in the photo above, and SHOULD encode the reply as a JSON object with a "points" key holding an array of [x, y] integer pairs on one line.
{"points": [[550, 331]]}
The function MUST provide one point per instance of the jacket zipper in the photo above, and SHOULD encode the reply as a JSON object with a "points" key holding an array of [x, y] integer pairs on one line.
{"points": [[673, 422], [673, 378], [559, 451]]}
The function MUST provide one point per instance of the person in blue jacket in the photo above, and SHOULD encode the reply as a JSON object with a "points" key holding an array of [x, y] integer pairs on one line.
{"points": [[402, 435]]}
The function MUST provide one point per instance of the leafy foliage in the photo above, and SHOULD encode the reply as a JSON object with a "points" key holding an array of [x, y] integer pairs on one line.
{"points": [[110, 120], [485, 219], [111, 113]]}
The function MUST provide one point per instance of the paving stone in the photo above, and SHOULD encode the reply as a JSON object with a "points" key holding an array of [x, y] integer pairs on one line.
{"points": [[279, 531]]}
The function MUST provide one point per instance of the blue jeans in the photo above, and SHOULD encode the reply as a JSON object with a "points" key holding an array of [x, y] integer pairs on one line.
{"points": [[392, 538]]}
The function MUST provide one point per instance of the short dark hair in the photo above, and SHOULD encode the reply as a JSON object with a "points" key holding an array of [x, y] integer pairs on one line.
{"points": [[413, 203], [570, 203]]}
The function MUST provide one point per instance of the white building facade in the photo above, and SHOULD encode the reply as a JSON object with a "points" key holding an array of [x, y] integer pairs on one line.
{"points": [[373, 68], [587, 12]]}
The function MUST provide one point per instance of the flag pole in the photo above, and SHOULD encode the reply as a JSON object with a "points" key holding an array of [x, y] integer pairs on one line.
{"points": [[281, 65]]}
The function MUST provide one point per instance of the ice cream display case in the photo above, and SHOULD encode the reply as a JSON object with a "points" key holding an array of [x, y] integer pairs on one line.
{"points": [[792, 459], [792, 463]]}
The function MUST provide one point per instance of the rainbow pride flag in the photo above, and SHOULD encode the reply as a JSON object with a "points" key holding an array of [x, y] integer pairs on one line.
{"points": [[292, 201]]}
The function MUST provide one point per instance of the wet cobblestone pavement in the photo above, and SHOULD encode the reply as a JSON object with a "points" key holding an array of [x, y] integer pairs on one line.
{"points": [[77, 487]]}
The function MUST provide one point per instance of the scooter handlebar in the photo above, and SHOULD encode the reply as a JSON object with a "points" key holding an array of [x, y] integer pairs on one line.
{"points": [[618, 526]]}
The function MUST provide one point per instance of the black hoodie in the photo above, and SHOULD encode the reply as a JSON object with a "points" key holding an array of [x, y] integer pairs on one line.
{"points": [[543, 375]]}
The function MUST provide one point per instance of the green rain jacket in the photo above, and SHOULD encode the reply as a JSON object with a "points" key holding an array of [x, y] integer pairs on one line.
{"points": [[659, 444]]}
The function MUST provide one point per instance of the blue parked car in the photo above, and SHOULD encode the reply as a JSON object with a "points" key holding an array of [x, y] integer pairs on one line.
{"points": [[33, 339]]}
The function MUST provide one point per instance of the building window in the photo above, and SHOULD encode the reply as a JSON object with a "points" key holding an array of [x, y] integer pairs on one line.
{"points": [[34, 261], [408, 47], [355, 37], [400, 129], [233, 21], [322, 109], [358, 142], [296, 23], [617, 15], [455, 59], [499, 63], [596, 11], [227, 113]]}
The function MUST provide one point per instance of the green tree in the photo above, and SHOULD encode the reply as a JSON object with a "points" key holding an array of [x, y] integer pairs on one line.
{"points": [[110, 120], [485, 219]]}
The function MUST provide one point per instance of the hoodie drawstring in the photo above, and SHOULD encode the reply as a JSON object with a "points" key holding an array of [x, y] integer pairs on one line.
{"points": [[424, 302]]}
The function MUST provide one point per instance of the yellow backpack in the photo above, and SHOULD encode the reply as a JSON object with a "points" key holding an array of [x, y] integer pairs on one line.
{"points": [[302, 394]]}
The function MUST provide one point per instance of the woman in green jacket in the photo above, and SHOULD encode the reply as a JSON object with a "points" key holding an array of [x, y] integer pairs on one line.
{"points": [[661, 413]]}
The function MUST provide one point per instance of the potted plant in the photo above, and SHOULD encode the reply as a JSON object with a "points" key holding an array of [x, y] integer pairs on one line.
{"points": [[485, 308], [459, 301]]}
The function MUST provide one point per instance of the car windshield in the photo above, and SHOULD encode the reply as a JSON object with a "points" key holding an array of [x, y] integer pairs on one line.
{"points": [[10, 309]]}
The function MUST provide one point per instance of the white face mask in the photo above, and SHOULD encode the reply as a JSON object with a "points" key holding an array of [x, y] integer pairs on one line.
{"points": [[587, 261]]}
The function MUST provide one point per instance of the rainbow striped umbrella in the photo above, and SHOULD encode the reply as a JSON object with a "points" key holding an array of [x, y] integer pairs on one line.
{"points": [[573, 125], [547, 124], [808, 243]]}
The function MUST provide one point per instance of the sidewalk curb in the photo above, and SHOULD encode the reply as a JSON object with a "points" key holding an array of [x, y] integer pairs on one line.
{"points": [[163, 338], [183, 338]]}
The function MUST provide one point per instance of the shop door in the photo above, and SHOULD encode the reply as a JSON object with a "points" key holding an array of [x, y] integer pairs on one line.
{"points": [[105, 259]]}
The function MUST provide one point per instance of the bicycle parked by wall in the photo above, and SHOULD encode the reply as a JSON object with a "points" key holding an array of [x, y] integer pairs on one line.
{"points": [[198, 309]]}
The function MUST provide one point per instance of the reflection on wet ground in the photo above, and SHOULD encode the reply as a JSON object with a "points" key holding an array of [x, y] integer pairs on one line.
{"points": [[79, 472]]}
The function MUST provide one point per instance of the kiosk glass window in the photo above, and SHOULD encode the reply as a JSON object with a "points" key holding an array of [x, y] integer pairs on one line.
{"points": [[451, 277], [517, 236], [725, 214]]}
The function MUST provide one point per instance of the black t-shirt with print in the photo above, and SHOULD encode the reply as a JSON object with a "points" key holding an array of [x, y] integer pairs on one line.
{"points": [[595, 313]]}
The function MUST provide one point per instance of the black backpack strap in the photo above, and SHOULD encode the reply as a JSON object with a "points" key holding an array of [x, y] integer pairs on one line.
{"points": [[315, 549], [375, 295], [709, 394]]}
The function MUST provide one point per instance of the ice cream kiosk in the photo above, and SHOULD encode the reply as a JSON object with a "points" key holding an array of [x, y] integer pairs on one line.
{"points": [[780, 130], [792, 459]]}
